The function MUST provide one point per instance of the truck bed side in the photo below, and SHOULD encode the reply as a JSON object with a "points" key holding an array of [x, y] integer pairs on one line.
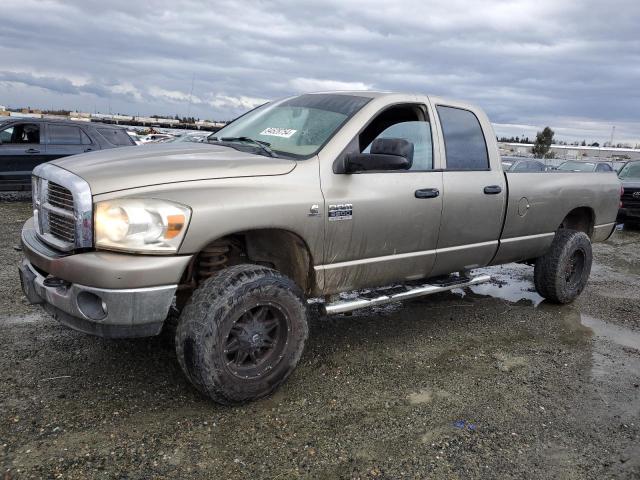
{"points": [[539, 202]]}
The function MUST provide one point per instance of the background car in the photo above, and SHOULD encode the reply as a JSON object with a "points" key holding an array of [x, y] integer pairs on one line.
{"points": [[26, 143], [156, 138], [630, 201], [511, 164], [580, 166], [193, 137]]}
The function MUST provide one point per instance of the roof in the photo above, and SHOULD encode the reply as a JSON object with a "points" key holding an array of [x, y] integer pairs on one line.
{"points": [[355, 93], [59, 121]]}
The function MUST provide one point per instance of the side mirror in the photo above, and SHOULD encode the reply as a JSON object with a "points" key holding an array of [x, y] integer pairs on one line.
{"points": [[386, 154]]}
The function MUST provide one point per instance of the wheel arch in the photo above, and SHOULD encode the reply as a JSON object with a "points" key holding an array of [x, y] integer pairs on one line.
{"points": [[582, 219], [278, 248]]}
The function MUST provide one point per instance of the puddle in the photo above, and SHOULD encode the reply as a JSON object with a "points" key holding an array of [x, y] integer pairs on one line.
{"points": [[606, 361], [620, 335], [513, 283]]}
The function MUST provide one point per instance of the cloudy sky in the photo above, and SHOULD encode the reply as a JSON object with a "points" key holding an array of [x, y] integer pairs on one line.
{"points": [[573, 65]]}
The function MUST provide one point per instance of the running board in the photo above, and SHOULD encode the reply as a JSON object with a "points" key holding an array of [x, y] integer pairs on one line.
{"points": [[343, 306]]}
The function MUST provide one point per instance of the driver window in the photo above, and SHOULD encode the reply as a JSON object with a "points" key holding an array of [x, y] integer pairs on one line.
{"points": [[25, 133], [408, 122]]}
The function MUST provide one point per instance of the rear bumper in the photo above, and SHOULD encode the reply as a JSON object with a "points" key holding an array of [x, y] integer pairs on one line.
{"points": [[603, 232]]}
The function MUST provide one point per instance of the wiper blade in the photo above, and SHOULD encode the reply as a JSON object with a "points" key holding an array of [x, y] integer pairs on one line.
{"points": [[264, 146]]}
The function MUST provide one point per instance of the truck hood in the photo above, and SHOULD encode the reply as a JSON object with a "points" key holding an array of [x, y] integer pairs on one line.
{"points": [[630, 183], [131, 167]]}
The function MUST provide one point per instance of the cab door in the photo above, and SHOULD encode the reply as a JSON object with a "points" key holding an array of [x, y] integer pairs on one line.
{"points": [[475, 191], [382, 227]]}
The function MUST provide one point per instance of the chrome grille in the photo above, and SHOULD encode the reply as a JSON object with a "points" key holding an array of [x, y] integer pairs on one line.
{"points": [[60, 197], [62, 227], [61, 223], [631, 198], [62, 208]]}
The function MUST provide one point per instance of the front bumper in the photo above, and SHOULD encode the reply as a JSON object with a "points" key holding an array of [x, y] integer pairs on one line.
{"points": [[627, 213], [111, 313], [101, 293]]}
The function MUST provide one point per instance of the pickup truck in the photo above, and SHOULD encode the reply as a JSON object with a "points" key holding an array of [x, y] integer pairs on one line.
{"points": [[390, 196]]}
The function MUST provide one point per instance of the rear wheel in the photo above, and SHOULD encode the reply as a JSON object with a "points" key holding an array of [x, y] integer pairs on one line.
{"points": [[562, 273], [242, 333]]}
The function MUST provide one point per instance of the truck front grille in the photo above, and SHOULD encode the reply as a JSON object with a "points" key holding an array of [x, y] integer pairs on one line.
{"points": [[62, 227], [631, 198], [60, 197], [62, 207], [61, 216]]}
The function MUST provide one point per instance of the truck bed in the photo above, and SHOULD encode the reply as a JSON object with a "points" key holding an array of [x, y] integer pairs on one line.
{"points": [[538, 202]]}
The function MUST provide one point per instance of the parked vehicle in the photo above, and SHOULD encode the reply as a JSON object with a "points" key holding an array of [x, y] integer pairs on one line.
{"points": [[301, 198], [26, 143], [630, 201], [155, 138], [515, 164], [194, 137], [580, 166]]}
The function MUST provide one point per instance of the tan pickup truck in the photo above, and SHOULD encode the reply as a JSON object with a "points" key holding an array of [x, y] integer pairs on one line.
{"points": [[299, 199]]}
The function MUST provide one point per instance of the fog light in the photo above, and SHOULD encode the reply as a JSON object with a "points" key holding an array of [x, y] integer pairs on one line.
{"points": [[91, 306]]}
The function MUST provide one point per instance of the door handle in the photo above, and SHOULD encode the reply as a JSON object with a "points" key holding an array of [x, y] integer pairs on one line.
{"points": [[32, 150], [492, 189], [427, 193], [88, 149]]}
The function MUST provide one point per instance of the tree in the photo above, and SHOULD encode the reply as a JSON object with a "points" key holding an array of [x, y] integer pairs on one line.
{"points": [[543, 142]]}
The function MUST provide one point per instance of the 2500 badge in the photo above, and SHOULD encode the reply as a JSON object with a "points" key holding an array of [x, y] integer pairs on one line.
{"points": [[343, 211]]}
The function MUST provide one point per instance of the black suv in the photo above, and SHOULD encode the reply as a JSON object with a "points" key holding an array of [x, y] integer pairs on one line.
{"points": [[27, 142], [630, 202]]}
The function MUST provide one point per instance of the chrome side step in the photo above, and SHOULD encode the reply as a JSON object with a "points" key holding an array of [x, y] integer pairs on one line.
{"points": [[343, 306]]}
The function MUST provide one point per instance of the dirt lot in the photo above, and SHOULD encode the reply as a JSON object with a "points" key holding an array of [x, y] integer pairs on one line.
{"points": [[490, 383]]}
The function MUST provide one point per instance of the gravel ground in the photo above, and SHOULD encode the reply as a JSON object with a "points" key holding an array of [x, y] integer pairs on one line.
{"points": [[482, 383]]}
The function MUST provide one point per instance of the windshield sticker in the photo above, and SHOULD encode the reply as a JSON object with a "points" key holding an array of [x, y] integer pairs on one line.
{"points": [[278, 132]]}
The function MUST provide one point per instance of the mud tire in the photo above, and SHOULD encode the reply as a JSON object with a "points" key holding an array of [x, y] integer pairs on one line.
{"points": [[562, 273], [223, 303]]}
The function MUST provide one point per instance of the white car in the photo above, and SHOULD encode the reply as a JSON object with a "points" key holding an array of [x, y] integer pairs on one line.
{"points": [[155, 137]]}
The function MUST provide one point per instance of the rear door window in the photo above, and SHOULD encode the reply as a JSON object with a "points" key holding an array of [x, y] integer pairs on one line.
{"points": [[464, 142], [64, 135]]}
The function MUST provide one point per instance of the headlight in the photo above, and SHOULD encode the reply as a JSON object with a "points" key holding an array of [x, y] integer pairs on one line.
{"points": [[140, 225]]}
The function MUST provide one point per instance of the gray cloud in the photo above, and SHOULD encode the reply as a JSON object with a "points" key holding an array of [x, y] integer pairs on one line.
{"points": [[529, 63]]}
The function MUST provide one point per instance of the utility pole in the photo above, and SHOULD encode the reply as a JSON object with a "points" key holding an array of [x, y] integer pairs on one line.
{"points": [[613, 131], [193, 78]]}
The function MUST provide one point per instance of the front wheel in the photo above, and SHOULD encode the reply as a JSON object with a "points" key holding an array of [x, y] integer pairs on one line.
{"points": [[562, 273], [242, 333]]}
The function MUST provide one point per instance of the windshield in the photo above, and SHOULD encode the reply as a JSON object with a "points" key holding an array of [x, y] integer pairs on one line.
{"points": [[578, 166], [296, 127], [630, 170]]}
